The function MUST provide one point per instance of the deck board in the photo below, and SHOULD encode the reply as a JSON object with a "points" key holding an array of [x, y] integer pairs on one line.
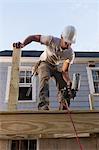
{"points": [[47, 124]]}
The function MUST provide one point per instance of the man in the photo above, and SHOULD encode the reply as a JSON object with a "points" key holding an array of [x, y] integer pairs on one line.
{"points": [[57, 50]]}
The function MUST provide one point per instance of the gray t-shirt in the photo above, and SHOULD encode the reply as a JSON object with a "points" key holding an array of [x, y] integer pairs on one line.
{"points": [[53, 53]]}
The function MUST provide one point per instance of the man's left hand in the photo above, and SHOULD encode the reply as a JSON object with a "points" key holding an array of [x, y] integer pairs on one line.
{"points": [[18, 45]]}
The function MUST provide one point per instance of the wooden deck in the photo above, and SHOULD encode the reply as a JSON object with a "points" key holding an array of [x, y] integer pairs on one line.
{"points": [[47, 124]]}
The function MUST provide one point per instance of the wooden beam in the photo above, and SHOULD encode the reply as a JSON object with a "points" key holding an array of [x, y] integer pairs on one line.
{"points": [[47, 124], [14, 83]]}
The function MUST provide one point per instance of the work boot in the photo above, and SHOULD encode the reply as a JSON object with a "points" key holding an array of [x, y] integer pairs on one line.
{"points": [[43, 106], [63, 105]]}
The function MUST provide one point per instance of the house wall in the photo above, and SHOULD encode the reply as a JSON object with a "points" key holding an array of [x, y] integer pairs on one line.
{"points": [[80, 102], [4, 145], [3, 84], [88, 143], [91, 143]]}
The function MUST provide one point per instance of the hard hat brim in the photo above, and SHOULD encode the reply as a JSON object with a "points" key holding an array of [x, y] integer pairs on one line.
{"points": [[71, 42]]}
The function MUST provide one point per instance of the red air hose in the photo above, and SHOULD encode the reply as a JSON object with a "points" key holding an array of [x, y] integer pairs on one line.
{"points": [[77, 138]]}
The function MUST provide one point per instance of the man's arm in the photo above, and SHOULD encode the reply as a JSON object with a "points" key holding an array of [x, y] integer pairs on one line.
{"points": [[65, 71], [27, 41], [66, 77], [31, 38], [37, 38]]}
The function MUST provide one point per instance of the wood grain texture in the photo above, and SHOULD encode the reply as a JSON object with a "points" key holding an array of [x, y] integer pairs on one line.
{"points": [[42, 124], [14, 83]]}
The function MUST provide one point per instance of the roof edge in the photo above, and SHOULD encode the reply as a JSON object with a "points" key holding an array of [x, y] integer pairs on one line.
{"points": [[37, 53]]}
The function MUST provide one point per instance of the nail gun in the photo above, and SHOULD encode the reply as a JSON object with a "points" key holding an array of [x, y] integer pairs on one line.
{"points": [[74, 89]]}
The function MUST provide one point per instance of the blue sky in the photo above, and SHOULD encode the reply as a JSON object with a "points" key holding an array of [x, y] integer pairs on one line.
{"points": [[20, 18]]}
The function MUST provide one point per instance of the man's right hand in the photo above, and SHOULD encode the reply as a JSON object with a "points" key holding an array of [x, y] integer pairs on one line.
{"points": [[18, 45]]}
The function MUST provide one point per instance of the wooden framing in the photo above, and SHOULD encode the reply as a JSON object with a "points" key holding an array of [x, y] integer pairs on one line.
{"points": [[47, 124], [14, 83]]}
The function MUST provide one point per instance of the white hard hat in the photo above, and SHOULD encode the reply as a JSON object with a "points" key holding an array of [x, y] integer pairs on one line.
{"points": [[69, 34]]}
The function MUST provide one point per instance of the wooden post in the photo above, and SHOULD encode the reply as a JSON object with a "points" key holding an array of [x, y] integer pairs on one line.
{"points": [[91, 102], [14, 83]]}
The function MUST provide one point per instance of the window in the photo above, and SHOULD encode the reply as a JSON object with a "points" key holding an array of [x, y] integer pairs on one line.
{"points": [[95, 75], [24, 145], [27, 85], [93, 78]]}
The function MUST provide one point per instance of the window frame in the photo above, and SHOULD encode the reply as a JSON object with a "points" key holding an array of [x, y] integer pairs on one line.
{"points": [[23, 140], [25, 68], [34, 84], [90, 79]]}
